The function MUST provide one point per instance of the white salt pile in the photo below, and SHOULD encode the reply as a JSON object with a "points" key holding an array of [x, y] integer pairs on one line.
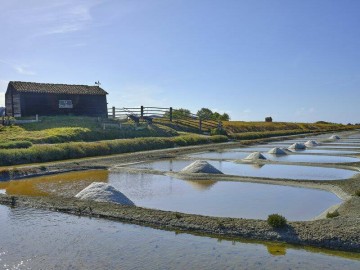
{"points": [[200, 166], [297, 146], [311, 143], [334, 137], [102, 192], [255, 156], [277, 151]]}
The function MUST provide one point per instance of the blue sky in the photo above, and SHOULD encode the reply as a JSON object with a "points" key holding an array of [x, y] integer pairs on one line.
{"points": [[293, 60]]}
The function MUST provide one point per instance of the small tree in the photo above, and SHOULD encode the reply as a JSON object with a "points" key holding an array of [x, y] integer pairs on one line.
{"points": [[224, 117], [205, 113], [268, 119], [179, 113]]}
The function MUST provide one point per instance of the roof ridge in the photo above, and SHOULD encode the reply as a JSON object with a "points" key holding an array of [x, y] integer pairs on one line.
{"points": [[57, 88], [55, 83]]}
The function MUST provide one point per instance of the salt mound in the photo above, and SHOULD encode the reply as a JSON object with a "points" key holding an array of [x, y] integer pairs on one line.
{"points": [[334, 137], [102, 192], [277, 151], [297, 146], [200, 166], [311, 143], [255, 156]]}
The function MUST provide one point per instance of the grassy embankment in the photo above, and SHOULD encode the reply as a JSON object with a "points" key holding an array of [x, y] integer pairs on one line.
{"points": [[59, 138], [255, 130]]}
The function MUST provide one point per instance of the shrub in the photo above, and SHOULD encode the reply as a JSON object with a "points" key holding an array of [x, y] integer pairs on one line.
{"points": [[276, 220], [15, 144], [218, 131], [332, 214], [357, 193]]}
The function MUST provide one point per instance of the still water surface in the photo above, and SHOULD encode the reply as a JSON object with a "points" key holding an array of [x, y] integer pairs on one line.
{"points": [[36, 239], [256, 170], [281, 158], [205, 197]]}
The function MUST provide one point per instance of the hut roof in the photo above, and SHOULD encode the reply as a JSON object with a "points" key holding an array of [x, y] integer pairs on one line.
{"points": [[50, 88]]}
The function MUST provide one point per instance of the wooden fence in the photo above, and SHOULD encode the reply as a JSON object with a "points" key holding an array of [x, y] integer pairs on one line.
{"points": [[163, 115]]}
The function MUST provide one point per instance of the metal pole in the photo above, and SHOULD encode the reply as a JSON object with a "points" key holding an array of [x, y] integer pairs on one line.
{"points": [[142, 111], [113, 112]]}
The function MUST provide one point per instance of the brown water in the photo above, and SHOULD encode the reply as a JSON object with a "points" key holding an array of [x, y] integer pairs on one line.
{"points": [[205, 197], [254, 170], [35, 239]]}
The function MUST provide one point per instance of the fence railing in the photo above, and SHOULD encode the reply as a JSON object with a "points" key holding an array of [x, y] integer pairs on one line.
{"points": [[171, 115]]}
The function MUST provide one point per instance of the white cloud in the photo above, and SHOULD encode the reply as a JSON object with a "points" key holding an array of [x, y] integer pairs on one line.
{"points": [[3, 87], [62, 18], [22, 69], [2, 99]]}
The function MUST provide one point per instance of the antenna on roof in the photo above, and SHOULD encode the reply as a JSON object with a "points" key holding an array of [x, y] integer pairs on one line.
{"points": [[98, 83]]}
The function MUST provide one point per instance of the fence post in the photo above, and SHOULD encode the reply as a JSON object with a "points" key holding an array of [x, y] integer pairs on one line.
{"points": [[200, 124], [171, 114], [113, 112], [142, 111]]}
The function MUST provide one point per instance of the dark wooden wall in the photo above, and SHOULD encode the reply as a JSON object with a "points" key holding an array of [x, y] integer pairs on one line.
{"points": [[48, 104], [12, 102]]}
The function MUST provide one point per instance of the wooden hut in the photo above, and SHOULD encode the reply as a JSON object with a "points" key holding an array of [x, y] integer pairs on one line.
{"points": [[29, 98]]}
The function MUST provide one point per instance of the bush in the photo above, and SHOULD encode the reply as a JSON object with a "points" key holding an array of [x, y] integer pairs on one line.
{"points": [[15, 144], [357, 193], [332, 214], [218, 131], [276, 221]]}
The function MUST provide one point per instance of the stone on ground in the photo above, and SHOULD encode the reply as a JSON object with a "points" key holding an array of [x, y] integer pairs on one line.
{"points": [[277, 151], [297, 146], [255, 156], [311, 143], [334, 137], [200, 166], [102, 192]]}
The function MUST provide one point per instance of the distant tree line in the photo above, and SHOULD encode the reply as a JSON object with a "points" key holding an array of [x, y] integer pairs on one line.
{"points": [[203, 113]]}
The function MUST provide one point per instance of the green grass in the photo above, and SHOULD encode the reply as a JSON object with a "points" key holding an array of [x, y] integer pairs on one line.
{"points": [[240, 127], [72, 150], [265, 134], [61, 129], [16, 144]]}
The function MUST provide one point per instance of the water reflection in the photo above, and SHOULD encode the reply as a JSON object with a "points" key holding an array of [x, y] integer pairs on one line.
{"points": [[65, 184], [268, 171], [60, 241], [205, 197]]}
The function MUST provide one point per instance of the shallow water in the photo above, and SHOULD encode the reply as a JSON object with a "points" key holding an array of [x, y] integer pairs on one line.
{"points": [[328, 146], [308, 150], [67, 184], [223, 198], [205, 197], [281, 158], [60, 241], [255, 170]]}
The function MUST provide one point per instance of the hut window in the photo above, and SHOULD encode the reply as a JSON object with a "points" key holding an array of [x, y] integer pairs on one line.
{"points": [[65, 104]]}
